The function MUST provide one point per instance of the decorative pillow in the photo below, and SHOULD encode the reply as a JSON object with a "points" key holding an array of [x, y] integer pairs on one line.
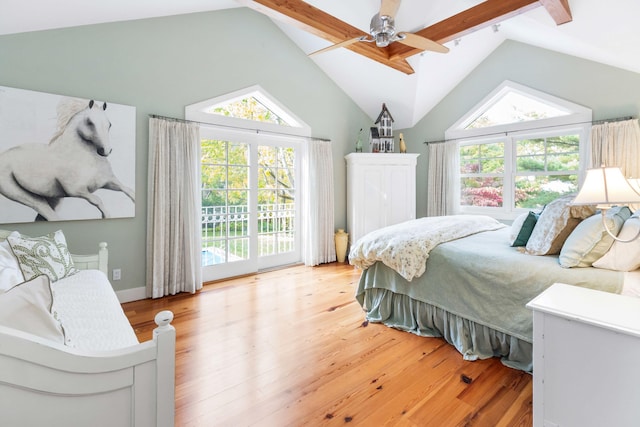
{"points": [[527, 228], [516, 226], [10, 274], [589, 241], [556, 222], [623, 256], [43, 255], [27, 307]]}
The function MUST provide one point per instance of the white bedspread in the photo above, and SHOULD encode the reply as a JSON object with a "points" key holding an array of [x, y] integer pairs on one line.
{"points": [[405, 247], [90, 313]]}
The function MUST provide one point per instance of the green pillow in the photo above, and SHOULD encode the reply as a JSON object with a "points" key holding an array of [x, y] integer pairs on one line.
{"points": [[526, 230]]}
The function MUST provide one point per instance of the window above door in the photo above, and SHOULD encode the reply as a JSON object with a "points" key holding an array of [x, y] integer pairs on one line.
{"points": [[249, 108]]}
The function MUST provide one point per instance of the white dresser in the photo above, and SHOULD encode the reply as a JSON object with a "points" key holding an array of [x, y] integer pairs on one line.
{"points": [[586, 358], [381, 191]]}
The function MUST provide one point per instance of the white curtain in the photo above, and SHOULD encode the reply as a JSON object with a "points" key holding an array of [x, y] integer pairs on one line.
{"points": [[173, 208], [443, 189], [617, 144], [318, 207]]}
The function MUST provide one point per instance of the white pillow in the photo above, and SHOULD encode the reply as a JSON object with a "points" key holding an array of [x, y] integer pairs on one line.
{"points": [[27, 307], [43, 255], [623, 256], [10, 274], [516, 226], [589, 241]]}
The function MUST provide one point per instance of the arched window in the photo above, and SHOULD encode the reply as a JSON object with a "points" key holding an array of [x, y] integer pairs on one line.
{"points": [[519, 149], [251, 156]]}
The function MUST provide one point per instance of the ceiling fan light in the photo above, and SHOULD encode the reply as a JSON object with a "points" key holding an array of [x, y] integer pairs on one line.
{"points": [[382, 40]]}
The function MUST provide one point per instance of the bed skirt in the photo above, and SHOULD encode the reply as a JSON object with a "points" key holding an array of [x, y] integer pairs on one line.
{"points": [[473, 340]]}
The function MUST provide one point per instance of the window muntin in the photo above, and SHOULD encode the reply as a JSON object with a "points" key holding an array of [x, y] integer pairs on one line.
{"points": [[225, 201], [546, 168], [482, 168], [524, 171], [276, 199]]}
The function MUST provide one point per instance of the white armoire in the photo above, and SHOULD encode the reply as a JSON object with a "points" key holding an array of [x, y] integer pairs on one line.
{"points": [[381, 191]]}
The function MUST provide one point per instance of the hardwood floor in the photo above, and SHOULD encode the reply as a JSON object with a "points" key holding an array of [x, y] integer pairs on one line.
{"points": [[290, 348]]}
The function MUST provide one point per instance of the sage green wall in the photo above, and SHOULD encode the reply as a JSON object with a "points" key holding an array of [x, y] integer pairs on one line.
{"points": [[610, 92], [159, 66]]}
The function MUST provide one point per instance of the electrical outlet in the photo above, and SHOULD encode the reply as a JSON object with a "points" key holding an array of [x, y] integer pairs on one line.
{"points": [[116, 274]]}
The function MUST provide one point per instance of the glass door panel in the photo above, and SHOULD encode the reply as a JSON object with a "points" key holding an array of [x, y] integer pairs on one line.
{"points": [[277, 205], [226, 216], [249, 207]]}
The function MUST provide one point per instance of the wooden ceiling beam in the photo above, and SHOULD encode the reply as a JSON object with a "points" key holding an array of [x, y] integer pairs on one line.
{"points": [[559, 10], [480, 16], [317, 22]]}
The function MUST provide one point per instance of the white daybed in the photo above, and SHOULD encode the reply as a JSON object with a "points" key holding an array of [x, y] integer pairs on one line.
{"points": [[98, 374]]}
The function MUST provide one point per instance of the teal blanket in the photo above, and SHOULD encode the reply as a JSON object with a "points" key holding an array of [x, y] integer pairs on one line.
{"points": [[482, 279]]}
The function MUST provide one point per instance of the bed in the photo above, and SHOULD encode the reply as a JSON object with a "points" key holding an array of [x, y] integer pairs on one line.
{"points": [[68, 355], [472, 286]]}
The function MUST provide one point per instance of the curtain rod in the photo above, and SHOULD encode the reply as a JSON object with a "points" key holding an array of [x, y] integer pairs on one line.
{"points": [[257, 131], [595, 122]]}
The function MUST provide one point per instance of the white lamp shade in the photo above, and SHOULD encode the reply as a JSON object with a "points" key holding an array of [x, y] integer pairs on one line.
{"points": [[635, 184], [606, 186]]}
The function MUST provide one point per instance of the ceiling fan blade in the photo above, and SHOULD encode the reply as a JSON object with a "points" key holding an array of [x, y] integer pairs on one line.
{"points": [[420, 42], [389, 8], [337, 45]]}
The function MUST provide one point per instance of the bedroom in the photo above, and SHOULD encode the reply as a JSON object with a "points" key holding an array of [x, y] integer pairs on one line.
{"points": [[141, 63], [147, 63]]}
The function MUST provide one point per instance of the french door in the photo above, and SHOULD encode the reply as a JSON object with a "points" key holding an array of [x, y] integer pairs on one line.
{"points": [[250, 203]]}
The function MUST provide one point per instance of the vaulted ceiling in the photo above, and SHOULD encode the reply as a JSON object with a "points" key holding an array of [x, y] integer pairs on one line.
{"points": [[303, 15], [409, 81]]}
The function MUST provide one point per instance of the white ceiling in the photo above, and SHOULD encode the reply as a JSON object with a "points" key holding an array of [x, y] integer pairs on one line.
{"points": [[607, 32]]}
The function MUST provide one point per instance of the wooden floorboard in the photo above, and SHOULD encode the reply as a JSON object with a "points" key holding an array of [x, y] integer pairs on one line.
{"points": [[290, 348]]}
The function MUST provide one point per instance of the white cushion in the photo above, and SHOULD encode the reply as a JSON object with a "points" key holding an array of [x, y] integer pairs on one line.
{"points": [[91, 314], [10, 274], [516, 226], [623, 256], [27, 307], [589, 241], [42, 255]]}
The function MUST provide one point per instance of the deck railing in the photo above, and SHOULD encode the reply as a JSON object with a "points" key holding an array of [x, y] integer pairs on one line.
{"points": [[275, 229]]}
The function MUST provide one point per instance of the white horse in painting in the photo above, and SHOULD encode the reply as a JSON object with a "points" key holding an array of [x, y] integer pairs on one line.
{"points": [[73, 164]]}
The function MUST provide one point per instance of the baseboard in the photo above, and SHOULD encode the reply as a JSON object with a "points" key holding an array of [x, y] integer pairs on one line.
{"points": [[133, 294]]}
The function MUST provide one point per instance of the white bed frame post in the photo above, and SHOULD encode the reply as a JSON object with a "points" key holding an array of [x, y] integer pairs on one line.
{"points": [[103, 258], [165, 338]]}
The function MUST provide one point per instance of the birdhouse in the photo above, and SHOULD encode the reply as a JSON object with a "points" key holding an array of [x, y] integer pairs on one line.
{"points": [[385, 131]]}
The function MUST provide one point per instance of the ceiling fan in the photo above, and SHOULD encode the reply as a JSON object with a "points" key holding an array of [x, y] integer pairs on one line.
{"points": [[306, 17], [382, 32]]}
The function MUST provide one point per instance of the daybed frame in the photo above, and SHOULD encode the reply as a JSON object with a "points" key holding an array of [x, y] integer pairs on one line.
{"points": [[45, 383]]}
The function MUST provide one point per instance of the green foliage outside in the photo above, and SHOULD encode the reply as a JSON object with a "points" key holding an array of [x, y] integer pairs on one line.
{"points": [[540, 164], [226, 174], [250, 109], [225, 195]]}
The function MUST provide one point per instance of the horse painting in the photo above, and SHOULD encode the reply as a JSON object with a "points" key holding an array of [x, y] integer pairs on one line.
{"points": [[73, 164]]}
